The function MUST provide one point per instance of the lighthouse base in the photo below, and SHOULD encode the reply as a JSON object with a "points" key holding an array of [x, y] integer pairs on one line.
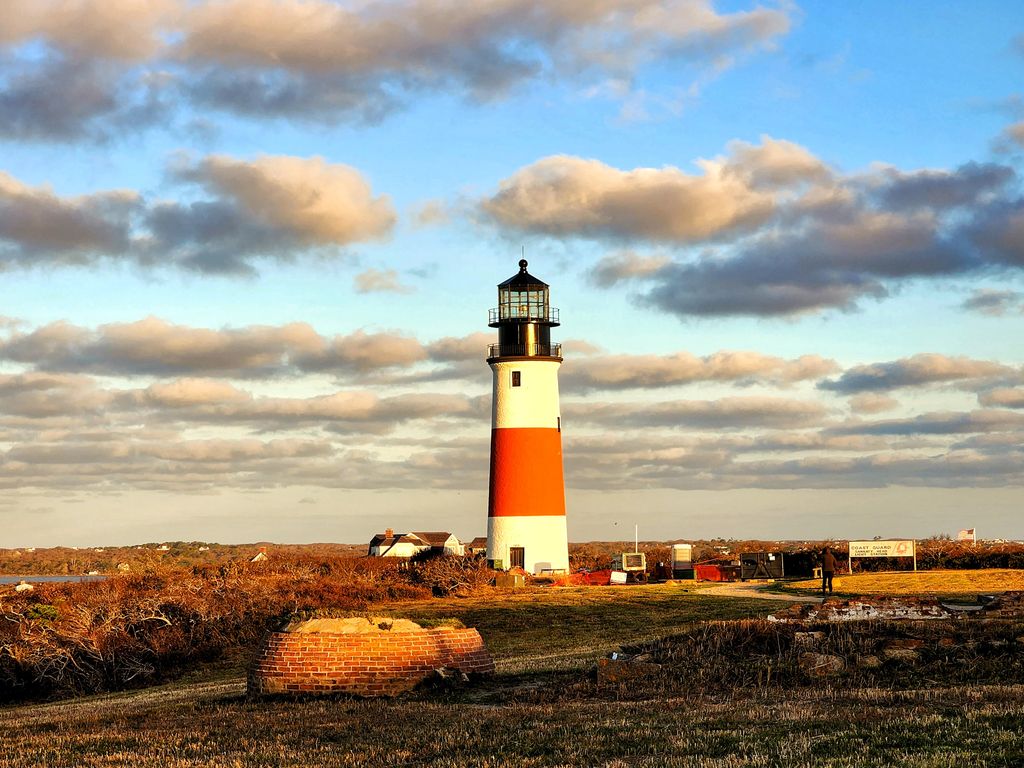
{"points": [[538, 543]]}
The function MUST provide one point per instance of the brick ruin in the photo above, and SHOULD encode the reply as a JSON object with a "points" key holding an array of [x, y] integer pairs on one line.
{"points": [[868, 607], [1009, 605], [363, 657]]}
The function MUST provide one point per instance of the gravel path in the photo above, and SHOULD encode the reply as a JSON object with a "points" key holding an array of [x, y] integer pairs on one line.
{"points": [[748, 589]]}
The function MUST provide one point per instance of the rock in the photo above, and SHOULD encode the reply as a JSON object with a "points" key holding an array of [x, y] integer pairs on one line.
{"points": [[446, 678], [24, 587], [821, 664], [904, 643], [615, 671], [808, 638], [868, 662], [906, 655], [354, 625]]}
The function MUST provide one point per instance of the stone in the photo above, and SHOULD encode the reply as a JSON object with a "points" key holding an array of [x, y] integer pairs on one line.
{"points": [[616, 671], [904, 643], [906, 655], [447, 678], [821, 664], [354, 625], [808, 638], [877, 608]]}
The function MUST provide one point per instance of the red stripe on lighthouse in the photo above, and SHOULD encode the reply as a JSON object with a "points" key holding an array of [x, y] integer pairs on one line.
{"points": [[526, 473]]}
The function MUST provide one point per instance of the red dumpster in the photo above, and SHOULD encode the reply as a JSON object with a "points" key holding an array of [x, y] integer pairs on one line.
{"points": [[715, 572]]}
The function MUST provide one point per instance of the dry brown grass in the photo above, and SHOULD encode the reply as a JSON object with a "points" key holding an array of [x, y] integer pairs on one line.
{"points": [[946, 583], [207, 721]]}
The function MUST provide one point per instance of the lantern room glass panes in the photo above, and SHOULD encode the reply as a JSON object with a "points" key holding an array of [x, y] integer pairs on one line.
{"points": [[523, 302]]}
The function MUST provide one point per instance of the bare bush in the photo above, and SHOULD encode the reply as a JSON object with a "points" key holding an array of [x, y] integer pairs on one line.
{"points": [[133, 630]]}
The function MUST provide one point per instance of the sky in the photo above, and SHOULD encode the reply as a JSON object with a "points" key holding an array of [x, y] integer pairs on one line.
{"points": [[247, 249]]}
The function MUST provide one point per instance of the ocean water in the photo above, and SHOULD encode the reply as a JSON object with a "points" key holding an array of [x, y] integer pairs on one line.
{"points": [[41, 579]]}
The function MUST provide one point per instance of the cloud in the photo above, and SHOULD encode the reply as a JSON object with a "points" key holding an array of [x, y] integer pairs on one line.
{"points": [[380, 281], [997, 231], [430, 213], [36, 395], [935, 190], [156, 347], [359, 62], [819, 265], [609, 372], [939, 423], [624, 266], [918, 370], [65, 99], [187, 393], [569, 196], [271, 207], [313, 201], [1014, 134], [768, 229], [1004, 398], [113, 29], [38, 227], [872, 402], [726, 413], [987, 301], [355, 60]]}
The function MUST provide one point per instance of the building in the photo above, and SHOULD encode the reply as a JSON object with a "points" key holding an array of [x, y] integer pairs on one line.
{"points": [[477, 546], [391, 544], [526, 525]]}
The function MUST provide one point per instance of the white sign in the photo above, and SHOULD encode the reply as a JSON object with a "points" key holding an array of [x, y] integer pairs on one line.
{"points": [[897, 548]]}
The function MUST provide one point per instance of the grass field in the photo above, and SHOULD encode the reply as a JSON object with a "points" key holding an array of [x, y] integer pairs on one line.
{"points": [[958, 584], [537, 637]]}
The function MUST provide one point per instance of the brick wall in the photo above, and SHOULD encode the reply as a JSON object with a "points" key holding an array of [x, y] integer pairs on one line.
{"points": [[372, 664]]}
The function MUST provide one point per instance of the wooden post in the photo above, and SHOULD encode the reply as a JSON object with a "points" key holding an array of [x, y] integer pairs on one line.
{"points": [[915, 555]]}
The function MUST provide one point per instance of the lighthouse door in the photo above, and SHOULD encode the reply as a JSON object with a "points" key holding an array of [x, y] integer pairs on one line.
{"points": [[517, 557]]}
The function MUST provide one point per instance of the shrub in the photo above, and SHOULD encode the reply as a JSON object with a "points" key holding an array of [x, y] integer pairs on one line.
{"points": [[133, 630], [449, 574]]}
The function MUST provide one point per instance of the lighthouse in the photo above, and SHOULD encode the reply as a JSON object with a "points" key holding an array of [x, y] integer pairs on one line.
{"points": [[526, 504]]}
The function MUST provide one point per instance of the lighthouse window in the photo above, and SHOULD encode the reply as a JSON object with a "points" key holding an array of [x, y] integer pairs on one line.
{"points": [[517, 378]]}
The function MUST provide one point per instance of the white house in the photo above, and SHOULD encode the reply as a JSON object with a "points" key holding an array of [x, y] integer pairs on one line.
{"points": [[391, 544]]}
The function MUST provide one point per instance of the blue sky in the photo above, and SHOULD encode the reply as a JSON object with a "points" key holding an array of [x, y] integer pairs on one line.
{"points": [[245, 271]]}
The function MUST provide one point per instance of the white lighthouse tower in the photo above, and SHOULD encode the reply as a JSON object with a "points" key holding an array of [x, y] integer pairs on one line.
{"points": [[526, 507]]}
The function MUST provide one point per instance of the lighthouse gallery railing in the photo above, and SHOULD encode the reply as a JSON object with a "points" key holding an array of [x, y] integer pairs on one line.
{"points": [[524, 350]]}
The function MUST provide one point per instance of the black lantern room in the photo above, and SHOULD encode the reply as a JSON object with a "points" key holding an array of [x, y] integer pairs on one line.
{"points": [[524, 318]]}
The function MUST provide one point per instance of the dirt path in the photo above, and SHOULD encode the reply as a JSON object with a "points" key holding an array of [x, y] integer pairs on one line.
{"points": [[746, 589]]}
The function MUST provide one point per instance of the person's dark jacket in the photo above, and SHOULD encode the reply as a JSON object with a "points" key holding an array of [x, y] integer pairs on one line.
{"points": [[828, 562]]}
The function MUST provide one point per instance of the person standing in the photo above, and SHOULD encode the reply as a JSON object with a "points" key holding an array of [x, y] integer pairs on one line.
{"points": [[828, 570]]}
